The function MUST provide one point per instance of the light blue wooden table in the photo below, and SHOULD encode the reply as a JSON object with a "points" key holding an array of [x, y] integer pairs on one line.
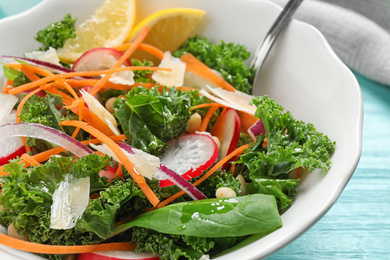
{"points": [[358, 225]]}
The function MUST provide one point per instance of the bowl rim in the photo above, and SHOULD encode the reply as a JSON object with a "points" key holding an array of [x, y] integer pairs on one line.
{"points": [[332, 198]]}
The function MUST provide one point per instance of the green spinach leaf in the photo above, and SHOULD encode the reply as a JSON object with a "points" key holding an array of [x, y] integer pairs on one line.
{"points": [[227, 217]]}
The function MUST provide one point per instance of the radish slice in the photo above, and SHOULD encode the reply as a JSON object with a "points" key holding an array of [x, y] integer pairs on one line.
{"points": [[109, 173], [10, 150], [227, 129], [98, 59], [256, 129], [11, 147], [104, 58], [171, 176], [45, 133], [7, 103], [189, 155], [117, 255]]}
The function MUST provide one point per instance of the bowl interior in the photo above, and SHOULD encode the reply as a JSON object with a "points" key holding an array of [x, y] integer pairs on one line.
{"points": [[302, 73]]}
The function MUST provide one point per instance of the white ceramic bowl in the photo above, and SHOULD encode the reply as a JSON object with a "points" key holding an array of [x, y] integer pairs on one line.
{"points": [[302, 73]]}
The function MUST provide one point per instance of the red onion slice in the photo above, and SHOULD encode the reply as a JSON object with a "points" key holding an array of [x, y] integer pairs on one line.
{"points": [[173, 177], [182, 183], [45, 133], [42, 64], [256, 129], [126, 147]]}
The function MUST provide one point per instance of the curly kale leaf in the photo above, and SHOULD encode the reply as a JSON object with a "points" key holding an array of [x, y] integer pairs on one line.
{"points": [[101, 213], [47, 110], [217, 180], [283, 189], [142, 75], [27, 197], [227, 58], [290, 144], [57, 33], [174, 247], [149, 118]]}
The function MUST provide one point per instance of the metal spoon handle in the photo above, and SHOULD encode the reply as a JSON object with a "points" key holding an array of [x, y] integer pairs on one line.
{"points": [[282, 20]]}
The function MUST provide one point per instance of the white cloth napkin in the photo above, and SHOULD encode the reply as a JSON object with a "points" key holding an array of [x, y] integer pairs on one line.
{"points": [[357, 30]]}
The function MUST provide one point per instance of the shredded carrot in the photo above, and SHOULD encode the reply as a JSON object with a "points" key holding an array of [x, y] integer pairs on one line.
{"points": [[205, 176], [120, 154], [77, 83], [81, 109], [207, 105], [87, 114], [145, 47], [31, 68], [66, 98], [120, 61], [30, 71], [235, 158], [9, 82], [265, 142], [99, 153], [55, 249], [29, 74], [28, 158], [232, 169], [206, 118], [299, 173], [202, 70], [19, 110], [43, 156], [23, 102], [54, 77], [68, 88], [119, 171]]}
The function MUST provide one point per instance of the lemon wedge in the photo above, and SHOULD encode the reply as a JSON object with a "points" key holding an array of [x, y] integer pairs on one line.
{"points": [[109, 26], [169, 27]]}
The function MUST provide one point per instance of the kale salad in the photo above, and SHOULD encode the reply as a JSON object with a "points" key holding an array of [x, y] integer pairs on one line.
{"points": [[119, 152]]}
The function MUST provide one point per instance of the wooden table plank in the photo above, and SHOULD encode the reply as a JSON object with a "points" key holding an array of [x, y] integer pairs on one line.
{"points": [[358, 225]]}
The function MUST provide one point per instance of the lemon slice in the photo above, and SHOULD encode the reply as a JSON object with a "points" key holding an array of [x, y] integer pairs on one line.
{"points": [[109, 26], [169, 27]]}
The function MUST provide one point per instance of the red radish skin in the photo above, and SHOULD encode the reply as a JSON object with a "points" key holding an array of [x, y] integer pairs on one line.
{"points": [[109, 173], [98, 59], [227, 129], [189, 155], [18, 152], [117, 255]]}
